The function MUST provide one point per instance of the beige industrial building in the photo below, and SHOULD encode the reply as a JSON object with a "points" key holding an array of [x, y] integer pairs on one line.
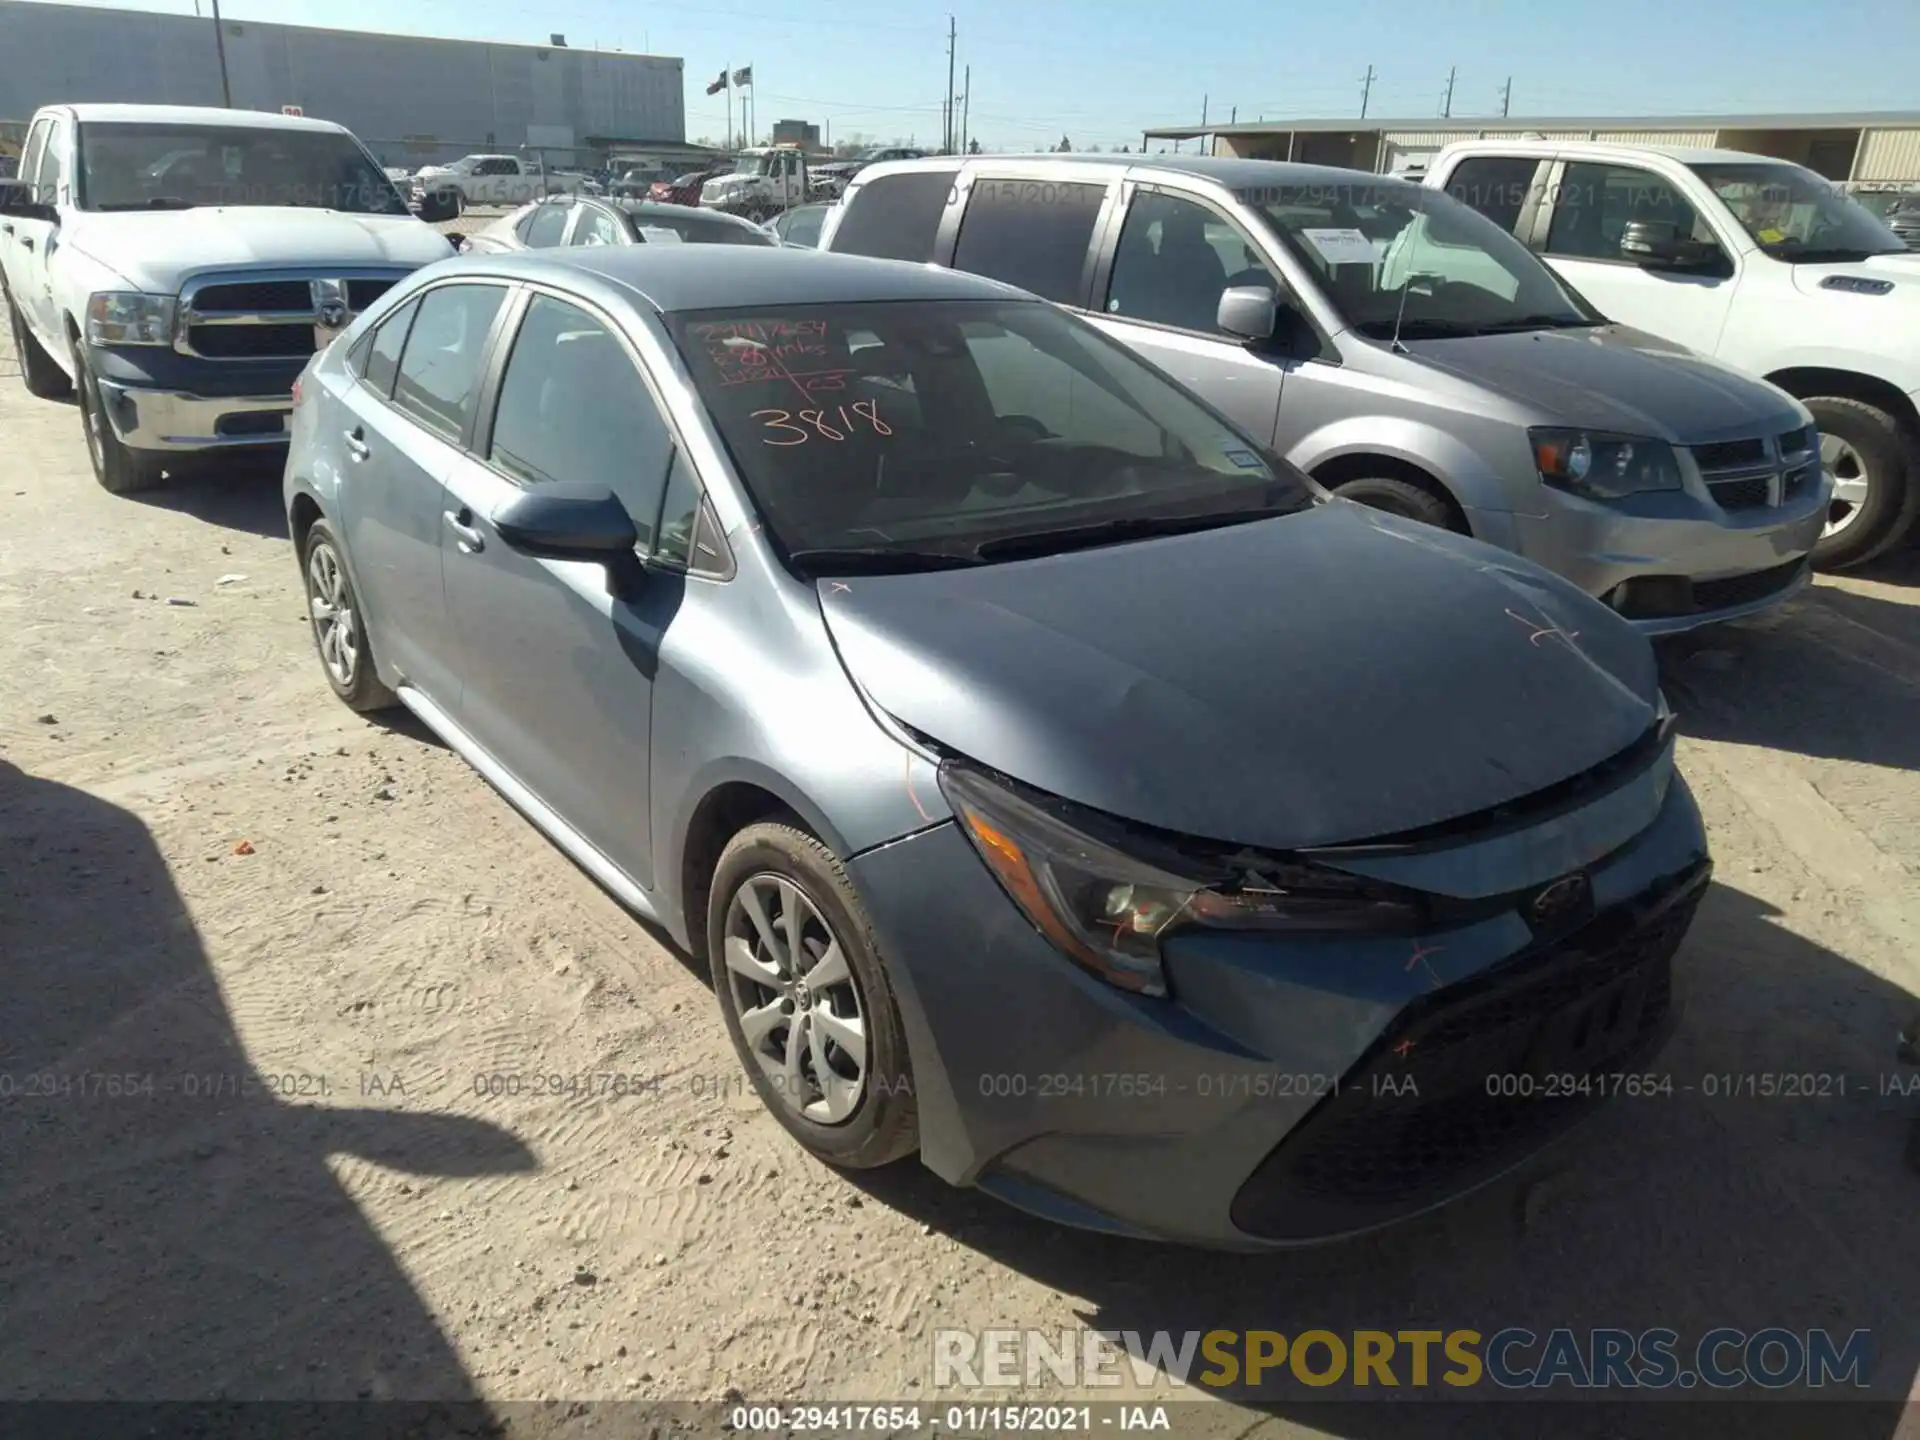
{"points": [[1864, 149]]}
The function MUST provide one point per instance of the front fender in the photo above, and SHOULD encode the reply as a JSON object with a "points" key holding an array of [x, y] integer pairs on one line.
{"points": [[1471, 478]]}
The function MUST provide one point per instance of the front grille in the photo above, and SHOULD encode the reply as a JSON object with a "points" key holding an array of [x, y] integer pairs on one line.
{"points": [[1739, 589], [1745, 494], [249, 297], [1730, 454], [250, 342], [362, 293], [1415, 1121]]}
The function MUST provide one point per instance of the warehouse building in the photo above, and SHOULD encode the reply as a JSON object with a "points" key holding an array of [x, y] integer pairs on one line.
{"points": [[1866, 149], [414, 100]]}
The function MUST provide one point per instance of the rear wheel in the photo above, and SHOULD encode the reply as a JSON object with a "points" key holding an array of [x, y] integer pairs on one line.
{"points": [[38, 372], [806, 998], [1876, 493], [119, 470], [1398, 497]]}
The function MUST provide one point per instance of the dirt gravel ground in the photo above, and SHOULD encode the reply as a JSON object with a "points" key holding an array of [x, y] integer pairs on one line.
{"points": [[322, 939]]}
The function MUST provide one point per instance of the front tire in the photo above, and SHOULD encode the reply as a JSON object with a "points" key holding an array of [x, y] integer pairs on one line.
{"points": [[44, 379], [1876, 489], [806, 998], [1398, 497], [119, 470], [339, 625]]}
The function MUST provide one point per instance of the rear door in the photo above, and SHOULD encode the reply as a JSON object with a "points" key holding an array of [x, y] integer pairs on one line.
{"points": [[14, 251], [411, 412], [558, 673], [36, 240], [1173, 255]]}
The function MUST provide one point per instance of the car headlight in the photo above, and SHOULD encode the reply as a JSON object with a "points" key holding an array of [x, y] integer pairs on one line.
{"points": [[1603, 467], [126, 317], [1107, 909]]}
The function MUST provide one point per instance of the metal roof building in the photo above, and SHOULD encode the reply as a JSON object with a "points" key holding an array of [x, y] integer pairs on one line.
{"points": [[414, 100], [1879, 147]]}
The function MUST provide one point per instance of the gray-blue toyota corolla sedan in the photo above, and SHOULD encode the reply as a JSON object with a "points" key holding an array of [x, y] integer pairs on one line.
{"points": [[1055, 784]]}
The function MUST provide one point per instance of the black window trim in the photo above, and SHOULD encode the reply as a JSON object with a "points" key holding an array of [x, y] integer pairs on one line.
{"points": [[1325, 351], [960, 205], [498, 282]]}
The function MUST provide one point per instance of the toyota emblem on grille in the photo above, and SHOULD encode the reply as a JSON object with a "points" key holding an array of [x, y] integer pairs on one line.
{"points": [[1561, 900]]}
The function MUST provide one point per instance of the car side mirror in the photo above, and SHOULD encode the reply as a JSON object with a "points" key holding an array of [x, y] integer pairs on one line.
{"points": [[574, 522], [1659, 245], [1252, 312], [18, 201]]}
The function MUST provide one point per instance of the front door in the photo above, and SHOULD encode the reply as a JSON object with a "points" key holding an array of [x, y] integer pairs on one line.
{"points": [[558, 673], [406, 417], [1591, 206], [1174, 257]]}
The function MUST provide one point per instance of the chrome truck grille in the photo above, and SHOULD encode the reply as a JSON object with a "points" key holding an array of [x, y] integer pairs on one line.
{"points": [[285, 315], [1766, 471]]}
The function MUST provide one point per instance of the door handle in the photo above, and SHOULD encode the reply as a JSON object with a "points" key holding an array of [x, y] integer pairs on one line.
{"points": [[470, 540], [27, 240], [357, 443], [6, 229]]}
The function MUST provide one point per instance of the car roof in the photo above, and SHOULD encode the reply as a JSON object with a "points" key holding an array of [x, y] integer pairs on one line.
{"points": [[674, 278], [196, 115], [1227, 171], [1685, 154]]}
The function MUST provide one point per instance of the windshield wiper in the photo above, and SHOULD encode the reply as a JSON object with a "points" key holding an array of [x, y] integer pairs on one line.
{"points": [[1537, 322], [877, 560], [1111, 532], [1430, 329], [158, 202]]}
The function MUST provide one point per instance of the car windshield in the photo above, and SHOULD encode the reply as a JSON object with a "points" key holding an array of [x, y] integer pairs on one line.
{"points": [[909, 435], [1793, 214], [179, 167], [1400, 259]]}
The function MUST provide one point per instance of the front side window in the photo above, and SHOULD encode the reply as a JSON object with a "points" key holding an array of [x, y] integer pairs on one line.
{"points": [[1794, 214], [383, 356], [573, 409], [152, 166], [1397, 259], [903, 429], [546, 224], [1175, 259], [1030, 233], [1594, 204], [1495, 185], [896, 217], [439, 377]]}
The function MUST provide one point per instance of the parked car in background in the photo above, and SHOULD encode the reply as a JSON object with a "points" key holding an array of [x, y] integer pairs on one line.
{"points": [[637, 183], [179, 266], [1403, 350], [763, 182], [799, 226], [684, 189], [399, 174], [566, 220], [882, 696], [1755, 261], [444, 191]]}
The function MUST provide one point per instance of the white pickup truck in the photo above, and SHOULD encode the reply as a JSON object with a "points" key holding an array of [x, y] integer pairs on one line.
{"points": [[443, 191], [1755, 261], [764, 181], [179, 267]]}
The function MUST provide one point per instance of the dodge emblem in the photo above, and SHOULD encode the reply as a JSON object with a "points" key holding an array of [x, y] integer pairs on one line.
{"points": [[330, 309], [1562, 900]]}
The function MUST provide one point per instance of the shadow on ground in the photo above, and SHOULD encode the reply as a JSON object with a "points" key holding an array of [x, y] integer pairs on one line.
{"points": [[1686, 1212], [172, 1228], [236, 491]]}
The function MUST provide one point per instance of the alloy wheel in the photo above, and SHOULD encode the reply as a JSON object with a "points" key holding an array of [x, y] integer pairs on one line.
{"points": [[1851, 483], [799, 1007], [336, 628]]}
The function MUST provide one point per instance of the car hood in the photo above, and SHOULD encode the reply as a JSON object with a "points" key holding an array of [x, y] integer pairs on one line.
{"points": [[1327, 677], [158, 249], [1904, 266], [1611, 377]]}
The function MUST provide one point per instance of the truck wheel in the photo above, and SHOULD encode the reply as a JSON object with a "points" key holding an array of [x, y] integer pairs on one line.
{"points": [[119, 470], [1398, 497], [38, 373], [1876, 488]]}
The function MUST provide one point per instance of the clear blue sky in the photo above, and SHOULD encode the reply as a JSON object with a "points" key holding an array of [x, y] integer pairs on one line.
{"points": [[1099, 71]]}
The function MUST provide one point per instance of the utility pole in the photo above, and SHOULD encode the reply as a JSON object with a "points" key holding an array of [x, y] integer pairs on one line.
{"points": [[220, 45], [1446, 106], [950, 38], [1233, 115], [1366, 91], [1506, 96], [966, 107], [1203, 111]]}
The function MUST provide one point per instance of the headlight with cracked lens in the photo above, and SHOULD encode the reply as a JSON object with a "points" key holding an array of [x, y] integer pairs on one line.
{"points": [[1107, 910], [1603, 467], [127, 317]]}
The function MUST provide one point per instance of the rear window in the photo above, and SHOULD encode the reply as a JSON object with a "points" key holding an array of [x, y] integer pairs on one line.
{"points": [[896, 217]]}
